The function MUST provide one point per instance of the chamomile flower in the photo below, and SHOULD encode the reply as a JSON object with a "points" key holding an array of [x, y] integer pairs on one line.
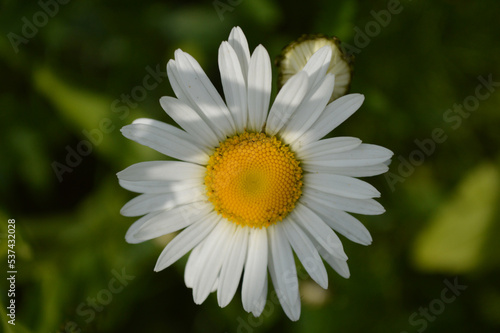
{"points": [[253, 184], [296, 54]]}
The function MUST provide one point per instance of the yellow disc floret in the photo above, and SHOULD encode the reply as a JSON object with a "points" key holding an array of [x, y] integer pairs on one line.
{"points": [[253, 179]]}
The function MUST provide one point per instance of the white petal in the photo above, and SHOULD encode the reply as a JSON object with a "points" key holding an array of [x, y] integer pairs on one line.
{"points": [[317, 66], [182, 93], [339, 265], [177, 86], [323, 148], [165, 222], [340, 185], [335, 114], [306, 252], [186, 240], [319, 230], [217, 244], [239, 43], [215, 286], [134, 228], [162, 171], [201, 92], [255, 268], [234, 85], [165, 139], [232, 268], [261, 300], [340, 221], [309, 110], [259, 88], [358, 206], [189, 120], [194, 264], [161, 176], [364, 171], [363, 155], [151, 186], [283, 271], [292, 311], [146, 203], [286, 102]]}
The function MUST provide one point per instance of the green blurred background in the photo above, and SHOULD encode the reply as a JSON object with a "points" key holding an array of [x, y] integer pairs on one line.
{"points": [[70, 78]]}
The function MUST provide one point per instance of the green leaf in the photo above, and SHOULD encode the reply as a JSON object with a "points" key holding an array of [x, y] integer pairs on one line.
{"points": [[91, 117], [82, 108]]}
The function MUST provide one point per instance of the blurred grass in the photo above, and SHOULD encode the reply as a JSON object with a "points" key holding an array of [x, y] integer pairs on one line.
{"points": [[70, 236]]}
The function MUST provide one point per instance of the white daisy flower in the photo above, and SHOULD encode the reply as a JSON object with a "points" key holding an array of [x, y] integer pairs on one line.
{"points": [[296, 54], [252, 185]]}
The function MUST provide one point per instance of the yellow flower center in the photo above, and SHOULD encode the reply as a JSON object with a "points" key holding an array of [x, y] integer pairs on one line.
{"points": [[253, 180]]}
